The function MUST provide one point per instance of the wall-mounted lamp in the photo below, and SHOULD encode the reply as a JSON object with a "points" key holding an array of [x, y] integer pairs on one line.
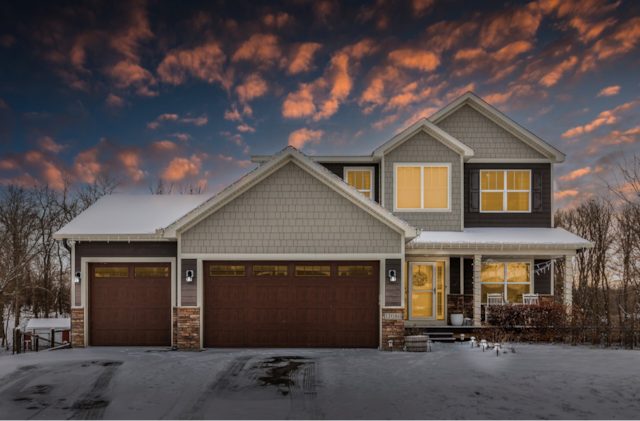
{"points": [[392, 275], [189, 276], [77, 278]]}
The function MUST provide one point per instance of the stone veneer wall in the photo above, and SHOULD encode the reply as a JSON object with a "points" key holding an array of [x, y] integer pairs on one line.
{"points": [[392, 329], [77, 327], [186, 331]]}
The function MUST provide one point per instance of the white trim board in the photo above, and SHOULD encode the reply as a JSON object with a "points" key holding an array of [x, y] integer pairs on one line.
{"points": [[288, 257]]}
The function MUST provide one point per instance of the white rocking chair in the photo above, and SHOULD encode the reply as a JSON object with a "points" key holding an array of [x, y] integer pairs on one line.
{"points": [[530, 299]]}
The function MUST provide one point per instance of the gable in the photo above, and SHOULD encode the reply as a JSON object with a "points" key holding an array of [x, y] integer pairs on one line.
{"points": [[290, 211], [485, 137]]}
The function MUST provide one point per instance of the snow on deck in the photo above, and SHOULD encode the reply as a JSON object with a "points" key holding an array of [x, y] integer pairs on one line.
{"points": [[469, 237], [453, 381], [121, 214], [49, 323]]}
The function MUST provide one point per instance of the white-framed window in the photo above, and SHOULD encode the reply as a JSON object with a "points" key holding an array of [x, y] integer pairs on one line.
{"points": [[362, 178], [510, 278], [422, 187], [505, 191]]}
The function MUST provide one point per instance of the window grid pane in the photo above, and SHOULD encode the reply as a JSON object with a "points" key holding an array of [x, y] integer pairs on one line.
{"points": [[112, 272], [226, 270], [313, 270], [436, 188], [355, 270], [361, 180], [496, 198], [510, 279], [408, 187], [269, 271], [151, 272]]}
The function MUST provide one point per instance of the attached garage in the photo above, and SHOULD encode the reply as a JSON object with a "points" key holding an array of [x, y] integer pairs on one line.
{"points": [[291, 304], [130, 304]]}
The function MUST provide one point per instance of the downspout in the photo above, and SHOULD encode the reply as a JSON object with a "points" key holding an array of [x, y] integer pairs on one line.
{"points": [[66, 245]]}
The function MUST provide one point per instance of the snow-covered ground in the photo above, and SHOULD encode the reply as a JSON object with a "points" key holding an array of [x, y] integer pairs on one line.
{"points": [[453, 381]]}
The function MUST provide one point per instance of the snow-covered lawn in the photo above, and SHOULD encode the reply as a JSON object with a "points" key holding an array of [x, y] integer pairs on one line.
{"points": [[453, 381]]}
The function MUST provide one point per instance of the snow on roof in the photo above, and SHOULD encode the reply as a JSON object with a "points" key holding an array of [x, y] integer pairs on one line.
{"points": [[513, 238], [121, 214], [49, 324]]}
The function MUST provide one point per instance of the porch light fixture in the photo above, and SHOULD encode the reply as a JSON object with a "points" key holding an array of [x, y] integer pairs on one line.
{"points": [[392, 275], [77, 278], [461, 338], [189, 276], [473, 341], [483, 344]]}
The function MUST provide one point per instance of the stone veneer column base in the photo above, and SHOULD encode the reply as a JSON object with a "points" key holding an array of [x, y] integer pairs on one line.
{"points": [[77, 327], [392, 328], [186, 328]]}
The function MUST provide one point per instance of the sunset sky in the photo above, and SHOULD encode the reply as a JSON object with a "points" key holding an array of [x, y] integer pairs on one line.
{"points": [[187, 91]]}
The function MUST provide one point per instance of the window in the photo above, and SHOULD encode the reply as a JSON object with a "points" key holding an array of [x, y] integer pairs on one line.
{"points": [[355, 270], [510, 279], [361, 179], [505, 191], [422, 187], [313, 271], [269, 271], [226, 270], [112, 272], [151, 272]]}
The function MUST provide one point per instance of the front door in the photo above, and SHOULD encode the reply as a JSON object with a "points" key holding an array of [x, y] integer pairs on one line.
{"points": [[427, 290]]}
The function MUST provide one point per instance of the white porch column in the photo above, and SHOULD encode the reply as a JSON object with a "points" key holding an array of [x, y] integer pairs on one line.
{"points": [[568, 280], [477, 289]]}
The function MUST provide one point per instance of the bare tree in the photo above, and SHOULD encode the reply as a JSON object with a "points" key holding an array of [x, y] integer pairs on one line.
{"points": [[193, 189], [161, 187]]}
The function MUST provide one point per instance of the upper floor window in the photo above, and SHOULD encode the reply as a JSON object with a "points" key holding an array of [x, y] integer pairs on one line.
{"points": [[422, 187], [505, 191], [361, 178]]}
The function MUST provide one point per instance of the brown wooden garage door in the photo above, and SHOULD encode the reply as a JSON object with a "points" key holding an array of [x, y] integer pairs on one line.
{"points": [[130, 304], [291, 304]]}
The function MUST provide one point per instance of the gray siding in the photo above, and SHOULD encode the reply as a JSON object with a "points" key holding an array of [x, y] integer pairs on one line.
{"points": [[291, 211], [422, 148], [486, 138], [189, 290], [393, 290]]}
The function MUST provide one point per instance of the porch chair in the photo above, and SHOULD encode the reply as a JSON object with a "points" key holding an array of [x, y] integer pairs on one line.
{"points": [[492, 300], [530, 299]]}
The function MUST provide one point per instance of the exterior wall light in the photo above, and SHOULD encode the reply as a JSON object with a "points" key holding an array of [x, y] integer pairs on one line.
{"points": [[77, 278], [189, 276], [392, 275]]}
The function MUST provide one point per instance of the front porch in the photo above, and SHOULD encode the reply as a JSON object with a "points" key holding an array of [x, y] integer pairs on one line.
{"points": [[449, 273]]}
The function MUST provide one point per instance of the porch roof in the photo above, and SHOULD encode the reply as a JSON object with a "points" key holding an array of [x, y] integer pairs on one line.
{"points": [[504, 238]]}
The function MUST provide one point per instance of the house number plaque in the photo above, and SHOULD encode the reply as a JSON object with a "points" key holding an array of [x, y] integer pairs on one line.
{"points": [[393, 316]]}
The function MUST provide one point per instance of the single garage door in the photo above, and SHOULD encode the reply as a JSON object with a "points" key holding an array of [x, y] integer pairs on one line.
{"points": [[130, 304], [291, 304]]}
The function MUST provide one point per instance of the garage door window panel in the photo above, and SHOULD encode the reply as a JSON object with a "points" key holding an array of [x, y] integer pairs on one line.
{"points": [[151, 272], [313, 270], [270, 271], [112, 272], [227, 271]]}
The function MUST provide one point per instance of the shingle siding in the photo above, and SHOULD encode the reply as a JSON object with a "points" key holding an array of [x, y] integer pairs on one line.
{"points": [[422, 148], [291, 211], [486, 138]]}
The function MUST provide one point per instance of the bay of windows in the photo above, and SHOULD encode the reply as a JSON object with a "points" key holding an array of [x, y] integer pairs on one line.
{"points": [[422, 187]]}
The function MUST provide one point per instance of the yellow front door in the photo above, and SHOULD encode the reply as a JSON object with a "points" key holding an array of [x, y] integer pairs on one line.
{"points": [[427, 290]]}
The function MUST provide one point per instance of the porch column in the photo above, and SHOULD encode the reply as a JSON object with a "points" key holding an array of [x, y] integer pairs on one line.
{"points": [[477, 289], [568, 280]]}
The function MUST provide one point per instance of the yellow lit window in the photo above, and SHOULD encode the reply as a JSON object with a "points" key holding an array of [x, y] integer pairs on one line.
{"points": [[500, 196], [422, 187], [151, 272], [269, 271], [313, 270], [112, 272], [226, 270], [355, 270], [509, 279], [361, 179]]}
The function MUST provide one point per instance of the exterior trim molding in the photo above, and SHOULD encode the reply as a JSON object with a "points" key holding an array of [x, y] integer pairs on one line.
{"points": [[289, 257]]}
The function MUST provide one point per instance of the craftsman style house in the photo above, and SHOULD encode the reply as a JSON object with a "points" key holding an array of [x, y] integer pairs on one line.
{"points": [[328, 251]]}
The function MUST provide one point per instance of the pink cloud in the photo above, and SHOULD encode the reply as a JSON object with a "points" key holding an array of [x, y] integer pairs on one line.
{"points": [[205, 63], [299, 138], [556, 74], [131, 159], [301, 58], [254, 86], [262, 49], [127, 74], [162, 118], [198, 121], [605, 117], [184, 137], [278, 21], [114, 101], [179, 168], [415, 59], [164, 146], [610, 91], [46, 143], [565, 193], [575, 174], [244, 128]]}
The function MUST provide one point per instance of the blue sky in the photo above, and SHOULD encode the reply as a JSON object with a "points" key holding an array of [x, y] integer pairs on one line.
{"points": [[147, 90]]}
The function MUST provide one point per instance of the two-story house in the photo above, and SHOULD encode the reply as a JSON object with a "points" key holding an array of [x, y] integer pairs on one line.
{"points": [[329, 251]]}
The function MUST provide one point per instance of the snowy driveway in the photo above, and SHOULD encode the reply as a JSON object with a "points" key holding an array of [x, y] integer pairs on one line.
{"points": [[453, 381]]}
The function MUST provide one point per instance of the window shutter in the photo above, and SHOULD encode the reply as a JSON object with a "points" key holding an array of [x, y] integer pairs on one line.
{"points": [[536, 191], [474, 191]]}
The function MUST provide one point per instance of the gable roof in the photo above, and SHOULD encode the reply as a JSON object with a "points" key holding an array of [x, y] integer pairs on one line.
{"points": [[432, 130], [128, 217], [277, 161], [501, 120]]}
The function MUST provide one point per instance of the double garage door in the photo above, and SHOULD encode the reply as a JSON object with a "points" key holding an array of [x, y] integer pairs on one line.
{"points": [[291, 304], [246, 304]]}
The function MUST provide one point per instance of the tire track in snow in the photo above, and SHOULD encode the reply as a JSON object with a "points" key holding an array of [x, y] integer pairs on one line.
{"points": [[90, 406]]}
